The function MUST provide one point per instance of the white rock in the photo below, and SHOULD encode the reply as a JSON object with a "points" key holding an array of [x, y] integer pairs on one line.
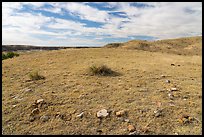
{"points": [[127, 120], [28, 90], [171, 96], [162, 76], [173, 89], [167, 81], [39, 101], [80, 115], [133, 133], [102, 113]]}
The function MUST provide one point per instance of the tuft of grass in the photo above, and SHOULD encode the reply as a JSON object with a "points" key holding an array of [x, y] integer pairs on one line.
{"points": [[35, 76], [101, 70]]}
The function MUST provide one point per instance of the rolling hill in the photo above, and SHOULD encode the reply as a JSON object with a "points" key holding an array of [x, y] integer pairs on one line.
{"points": [[180, 46]]}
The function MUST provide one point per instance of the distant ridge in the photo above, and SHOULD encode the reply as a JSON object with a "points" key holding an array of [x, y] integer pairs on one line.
{"points": [[180, 46], [28, 47]]}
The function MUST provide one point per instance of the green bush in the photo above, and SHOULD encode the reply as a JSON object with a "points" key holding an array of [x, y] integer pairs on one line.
{"points": [[101, 70], [35, 76], [4, 56], [9, 55]]}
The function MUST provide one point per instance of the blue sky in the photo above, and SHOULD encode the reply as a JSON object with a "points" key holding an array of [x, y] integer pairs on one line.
{"points": [[97, 23]]}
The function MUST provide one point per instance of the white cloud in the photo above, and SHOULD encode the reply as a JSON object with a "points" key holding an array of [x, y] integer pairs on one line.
{"points": [[164, 20], [161, 20], [87, 12]]}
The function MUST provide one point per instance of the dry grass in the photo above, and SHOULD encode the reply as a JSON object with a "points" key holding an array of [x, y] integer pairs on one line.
{"points": [[101, 70], [68, 91], [35, 76]]}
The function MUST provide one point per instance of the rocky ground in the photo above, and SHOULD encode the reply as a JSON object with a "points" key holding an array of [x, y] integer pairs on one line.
{"points": [[155, 93]]}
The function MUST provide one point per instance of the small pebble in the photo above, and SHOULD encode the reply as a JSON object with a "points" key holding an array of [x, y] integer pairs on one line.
{"points": [[173, 89], [134, 133], [28, 90], [171, 96], [126, 120], [157, 113], [131, 128], [80, 115], [167, 81], [120, 113], [39, 101], [162, 76]]}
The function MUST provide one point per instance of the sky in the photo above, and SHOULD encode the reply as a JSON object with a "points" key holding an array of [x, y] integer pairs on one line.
{"points": [[97, 23]]}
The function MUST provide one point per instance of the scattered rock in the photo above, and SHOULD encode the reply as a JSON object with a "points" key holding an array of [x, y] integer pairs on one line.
{"points": [[174, 89], [127, 120], [44, 118], [40, 101], [134, 133], [167, 81], [171, 96], [158, 113], [163, 76], [120, 113], [35, 111], [80, 115], [171, 104], [131, 128], [28, 90], [102, 113], [13, 106]]}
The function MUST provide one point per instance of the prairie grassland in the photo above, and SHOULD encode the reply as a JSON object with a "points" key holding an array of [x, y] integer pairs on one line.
{"points": [[69, 90]]}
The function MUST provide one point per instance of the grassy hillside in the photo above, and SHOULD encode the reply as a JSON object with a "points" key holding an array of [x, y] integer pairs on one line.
{"points": [[154, 93], [180, 46]]}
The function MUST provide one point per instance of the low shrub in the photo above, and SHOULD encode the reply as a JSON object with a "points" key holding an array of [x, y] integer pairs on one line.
{"points": [[9, 55], [35, 76], [101, 70]]}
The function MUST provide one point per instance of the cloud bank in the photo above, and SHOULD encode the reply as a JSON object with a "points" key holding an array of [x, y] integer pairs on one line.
{"points": [[96, 24]]}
